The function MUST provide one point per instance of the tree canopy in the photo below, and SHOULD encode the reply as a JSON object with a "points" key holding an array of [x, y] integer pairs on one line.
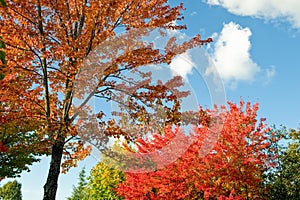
{"points": [[234, 168], [284, 180], [11, 191], [103, 181], [49, 49]]}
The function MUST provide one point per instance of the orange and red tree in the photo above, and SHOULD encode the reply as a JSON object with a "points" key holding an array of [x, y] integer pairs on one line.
{"points": [[18, 140], [46, 43], [232, 169]]}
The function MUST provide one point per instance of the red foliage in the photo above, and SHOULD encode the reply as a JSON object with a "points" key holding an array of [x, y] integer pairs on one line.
{"points": [[233, 169], [3, 148]]}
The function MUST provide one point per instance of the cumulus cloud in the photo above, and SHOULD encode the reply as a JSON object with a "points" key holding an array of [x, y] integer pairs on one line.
{"points": [[267, 9], [231, 56], [228, 57], [182, 65]]}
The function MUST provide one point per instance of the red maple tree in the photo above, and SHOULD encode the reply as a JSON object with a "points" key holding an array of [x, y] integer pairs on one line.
{"points": [[232, 169]]}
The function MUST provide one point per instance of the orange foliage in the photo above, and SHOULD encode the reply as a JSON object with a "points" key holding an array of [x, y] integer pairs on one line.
{"points": [[47, 42]]}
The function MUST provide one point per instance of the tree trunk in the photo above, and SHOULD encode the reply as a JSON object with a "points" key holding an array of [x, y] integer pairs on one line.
{"points": [[50, 187]]}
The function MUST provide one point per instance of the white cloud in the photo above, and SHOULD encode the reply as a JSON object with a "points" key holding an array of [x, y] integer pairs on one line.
{"points": [[267, 9], [228, 57], [269, 74], [182, 65], [231, 57]]}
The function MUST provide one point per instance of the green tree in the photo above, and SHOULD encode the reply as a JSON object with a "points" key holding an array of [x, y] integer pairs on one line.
{"points": [[20, 142], [102, 182], [284, 181], [105, 176], [79, 192], [11, 191]]}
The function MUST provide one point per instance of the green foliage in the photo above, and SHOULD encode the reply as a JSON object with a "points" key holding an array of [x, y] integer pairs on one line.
{"points": [[11, 191], [21, 150], [2, 45], [1, 76], [102, 182], [2, 56], [284, 182], [79, 192], [3, 3], [112, 156]]}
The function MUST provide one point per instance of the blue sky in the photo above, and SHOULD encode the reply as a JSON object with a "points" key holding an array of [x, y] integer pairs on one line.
{"points": [[256, 51]]}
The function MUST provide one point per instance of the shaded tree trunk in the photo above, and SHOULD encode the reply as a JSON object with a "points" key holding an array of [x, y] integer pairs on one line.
{"points": [[50, 187]]}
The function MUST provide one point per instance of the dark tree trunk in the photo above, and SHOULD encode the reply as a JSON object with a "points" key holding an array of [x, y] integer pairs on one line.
{"points": [[50, 187]]}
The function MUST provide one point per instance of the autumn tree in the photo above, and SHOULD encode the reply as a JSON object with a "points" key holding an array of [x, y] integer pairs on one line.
{"points": [[17, 149], [233, 169], [11, 191], [50, 52]]}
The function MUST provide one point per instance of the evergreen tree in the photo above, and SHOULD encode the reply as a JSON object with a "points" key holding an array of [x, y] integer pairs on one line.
{"points": [[79, 192]]}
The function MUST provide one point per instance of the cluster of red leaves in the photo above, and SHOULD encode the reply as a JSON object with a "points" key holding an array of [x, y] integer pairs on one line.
{"points": [[3, 148], [233, 169]]}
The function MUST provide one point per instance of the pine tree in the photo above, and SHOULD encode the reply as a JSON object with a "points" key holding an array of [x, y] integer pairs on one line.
{"points": [[79, 192]]}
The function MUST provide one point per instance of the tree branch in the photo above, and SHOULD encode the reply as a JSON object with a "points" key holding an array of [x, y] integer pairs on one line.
{"points": [[44, 61]]}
